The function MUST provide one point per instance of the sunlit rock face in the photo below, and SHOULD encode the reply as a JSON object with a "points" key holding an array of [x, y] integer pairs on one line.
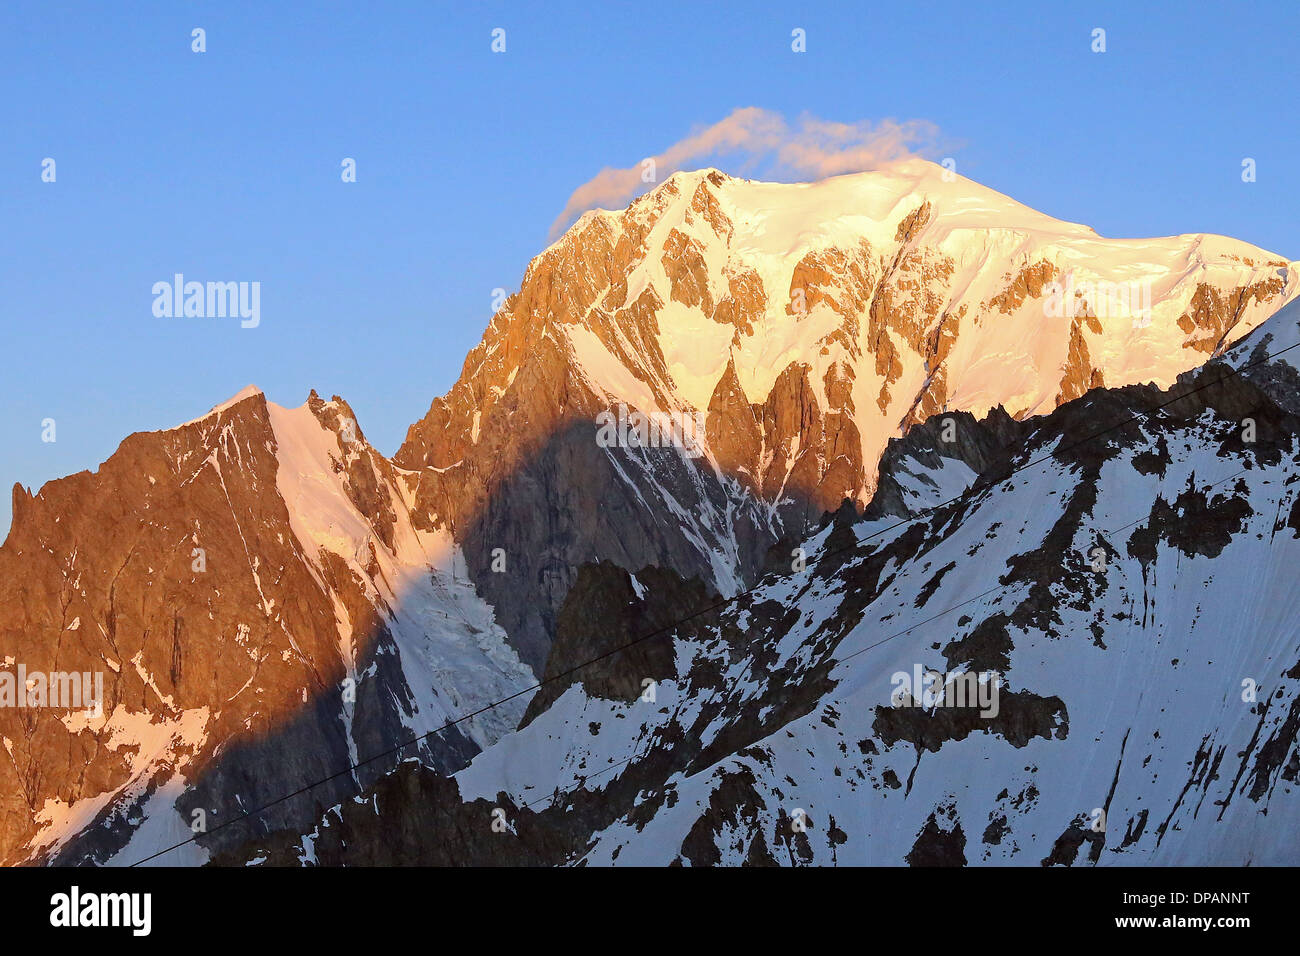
{"points": [[269, 599]]}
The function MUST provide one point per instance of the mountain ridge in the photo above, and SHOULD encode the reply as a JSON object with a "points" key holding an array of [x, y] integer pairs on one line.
{"points": [[1152, 701], [425, 582]]}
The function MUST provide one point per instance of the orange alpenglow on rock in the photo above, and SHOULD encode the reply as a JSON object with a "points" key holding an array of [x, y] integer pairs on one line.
{"points": [[270, 598]]}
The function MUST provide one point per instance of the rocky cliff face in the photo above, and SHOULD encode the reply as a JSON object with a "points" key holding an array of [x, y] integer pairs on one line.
{"points": [[252, 588], [271, 599]]}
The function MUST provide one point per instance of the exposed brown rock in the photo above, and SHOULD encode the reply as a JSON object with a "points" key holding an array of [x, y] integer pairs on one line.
{"points": [[1214, 312], [683, 262], [733, 431], [98, 574], [1028, 283]]}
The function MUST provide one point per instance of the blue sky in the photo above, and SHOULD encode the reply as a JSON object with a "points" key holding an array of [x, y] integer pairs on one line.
{"points": [[225, 165]]}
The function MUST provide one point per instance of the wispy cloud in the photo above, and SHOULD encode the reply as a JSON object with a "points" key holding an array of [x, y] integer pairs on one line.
{"points": [[812, 148]]}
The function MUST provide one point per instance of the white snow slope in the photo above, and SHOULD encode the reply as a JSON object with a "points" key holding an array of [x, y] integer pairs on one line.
{"points": [[1176, 667], [958, 270]]}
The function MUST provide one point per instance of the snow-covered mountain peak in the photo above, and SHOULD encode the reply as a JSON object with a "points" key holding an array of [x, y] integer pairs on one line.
{"points": [[275, 600], [809, 323], [894, 294]]}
